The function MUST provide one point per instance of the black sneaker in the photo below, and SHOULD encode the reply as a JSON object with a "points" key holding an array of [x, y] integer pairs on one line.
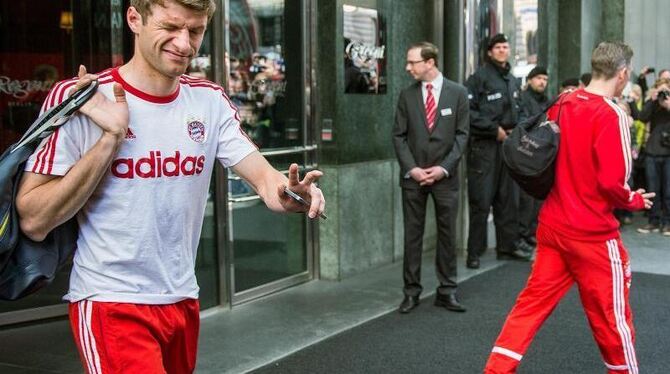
{"points": [[523, 245], [516, 255], [532, 240]]}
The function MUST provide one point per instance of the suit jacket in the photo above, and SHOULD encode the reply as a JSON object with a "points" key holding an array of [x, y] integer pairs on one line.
{"points": [[445, 144]]}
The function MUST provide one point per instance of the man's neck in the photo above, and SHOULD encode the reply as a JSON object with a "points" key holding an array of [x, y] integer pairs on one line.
{"points": [[146, 79], [502, 64], [536, 94], [431, 75], [600, 87]]}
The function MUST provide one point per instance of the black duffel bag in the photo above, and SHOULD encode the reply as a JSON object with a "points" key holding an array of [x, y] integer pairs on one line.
{"points": [[25, 265], [529, 153]]}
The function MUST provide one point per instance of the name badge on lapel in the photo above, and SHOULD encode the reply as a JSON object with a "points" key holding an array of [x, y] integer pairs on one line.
{"points": [[445, 112]]}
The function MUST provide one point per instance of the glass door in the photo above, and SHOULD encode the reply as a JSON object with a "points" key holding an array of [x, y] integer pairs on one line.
{"points": [[268, 82]]}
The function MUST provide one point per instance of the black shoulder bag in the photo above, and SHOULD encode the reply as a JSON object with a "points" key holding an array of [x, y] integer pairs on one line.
{"points": [[25, 265], [529, 153]]}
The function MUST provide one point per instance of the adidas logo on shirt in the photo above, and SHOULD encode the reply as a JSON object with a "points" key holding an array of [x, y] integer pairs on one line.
{"points": [[129, 134], [156, 166]]}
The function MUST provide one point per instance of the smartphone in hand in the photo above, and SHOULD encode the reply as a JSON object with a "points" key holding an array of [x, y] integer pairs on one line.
{"points": [[299, 199]]}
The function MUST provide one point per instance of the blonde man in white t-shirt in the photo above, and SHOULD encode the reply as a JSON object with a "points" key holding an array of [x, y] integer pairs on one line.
{"points": [[134, 167]]}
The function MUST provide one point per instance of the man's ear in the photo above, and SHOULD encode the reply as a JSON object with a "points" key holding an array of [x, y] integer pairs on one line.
{"points": [[623, 74], [134, 19]]}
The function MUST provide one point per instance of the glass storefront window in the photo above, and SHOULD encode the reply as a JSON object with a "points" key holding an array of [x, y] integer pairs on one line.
{"points": [[272, 253], [261, 43], [525, 38], [266, 69]]}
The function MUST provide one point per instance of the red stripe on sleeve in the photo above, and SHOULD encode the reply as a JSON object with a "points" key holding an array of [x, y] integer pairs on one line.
{"points": [[52, 154]]}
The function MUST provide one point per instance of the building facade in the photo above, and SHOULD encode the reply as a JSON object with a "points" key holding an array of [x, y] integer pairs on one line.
{"points": [[316, 83]]}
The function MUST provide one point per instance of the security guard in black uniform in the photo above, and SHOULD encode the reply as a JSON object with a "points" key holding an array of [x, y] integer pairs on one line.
{"points": [[494, 112], [533, 101]]}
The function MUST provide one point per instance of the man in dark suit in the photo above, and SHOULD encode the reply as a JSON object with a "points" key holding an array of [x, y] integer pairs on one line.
{"points": [[430, 135]]}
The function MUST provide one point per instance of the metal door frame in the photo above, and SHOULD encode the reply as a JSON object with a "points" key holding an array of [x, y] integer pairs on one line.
{"points": [[309, 149]]}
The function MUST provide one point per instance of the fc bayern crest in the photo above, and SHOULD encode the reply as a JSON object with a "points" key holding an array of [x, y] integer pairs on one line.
{"points": [[196, 130]]}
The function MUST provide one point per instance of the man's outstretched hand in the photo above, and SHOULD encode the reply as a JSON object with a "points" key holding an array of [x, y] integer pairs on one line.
{"points": [[307, 189]]}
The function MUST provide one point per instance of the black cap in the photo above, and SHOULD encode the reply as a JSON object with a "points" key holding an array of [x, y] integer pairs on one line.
{"points": [[538, 70], [570, 82], [497, 38]]}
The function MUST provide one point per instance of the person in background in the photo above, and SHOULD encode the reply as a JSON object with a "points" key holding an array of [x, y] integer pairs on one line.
{"points": [[625, 216], [429, 137], [533, 101], [494, 111], [584, 80], [656, 111], [578, 236], [642, 78], [569, 85], [635, 101], [134, 167]]}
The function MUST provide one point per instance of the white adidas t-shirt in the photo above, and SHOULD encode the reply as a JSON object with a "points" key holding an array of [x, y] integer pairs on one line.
{"points": [[140, 229]]}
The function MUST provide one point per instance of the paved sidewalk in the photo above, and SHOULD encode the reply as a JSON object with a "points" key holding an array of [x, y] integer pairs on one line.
{"points": [[257, 333]]}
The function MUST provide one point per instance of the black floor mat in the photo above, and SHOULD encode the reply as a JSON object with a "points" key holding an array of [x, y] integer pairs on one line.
{"points": [[432, 340]]}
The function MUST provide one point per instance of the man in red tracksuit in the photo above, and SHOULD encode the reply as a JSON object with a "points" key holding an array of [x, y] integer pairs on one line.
{"points": [[578, 235]]}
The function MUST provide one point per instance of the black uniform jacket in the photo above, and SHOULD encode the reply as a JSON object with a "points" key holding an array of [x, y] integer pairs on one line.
{"points": [[494, 100], [532, 103], [444, 145]]}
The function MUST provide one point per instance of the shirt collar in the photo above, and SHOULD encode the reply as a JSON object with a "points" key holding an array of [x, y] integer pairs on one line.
{"points": [[437, 83]]}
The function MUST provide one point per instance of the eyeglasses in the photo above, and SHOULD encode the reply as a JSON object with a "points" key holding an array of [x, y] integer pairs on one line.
{"points": [[414, 62]]}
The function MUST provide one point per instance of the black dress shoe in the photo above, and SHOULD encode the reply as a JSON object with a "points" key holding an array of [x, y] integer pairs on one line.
{"points": [[472, 263], [450, 302], [408, 303]]}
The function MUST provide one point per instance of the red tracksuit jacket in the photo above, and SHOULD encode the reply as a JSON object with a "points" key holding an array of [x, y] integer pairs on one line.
{"points": [[582, 201]]}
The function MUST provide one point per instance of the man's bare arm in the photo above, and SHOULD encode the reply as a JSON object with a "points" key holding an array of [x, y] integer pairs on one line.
{"points": [[269, 185], [45, 201]]}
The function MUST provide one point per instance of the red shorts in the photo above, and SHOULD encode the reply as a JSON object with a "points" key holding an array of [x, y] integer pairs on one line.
{"points": [[136, 338]]}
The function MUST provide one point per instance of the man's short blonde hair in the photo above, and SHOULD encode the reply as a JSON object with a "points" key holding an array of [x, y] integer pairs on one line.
{"points": [[144, 6], [608, 58]]}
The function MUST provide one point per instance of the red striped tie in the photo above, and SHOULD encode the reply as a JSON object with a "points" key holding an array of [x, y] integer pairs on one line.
{"points": [[431, 108]]}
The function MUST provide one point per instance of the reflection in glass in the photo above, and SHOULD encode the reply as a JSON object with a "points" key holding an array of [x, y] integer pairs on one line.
{"points": [[273, 252], [265, 70], [265, 82], [525, 37], [364, 51]]}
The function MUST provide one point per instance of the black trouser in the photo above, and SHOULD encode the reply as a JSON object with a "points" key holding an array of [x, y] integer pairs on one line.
{"points": [[445, 197], [489, 184], [529, 207]]}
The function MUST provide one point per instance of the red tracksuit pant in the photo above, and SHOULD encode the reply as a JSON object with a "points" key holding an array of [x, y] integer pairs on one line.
{"points": [[136, 338], [602, 273]]}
